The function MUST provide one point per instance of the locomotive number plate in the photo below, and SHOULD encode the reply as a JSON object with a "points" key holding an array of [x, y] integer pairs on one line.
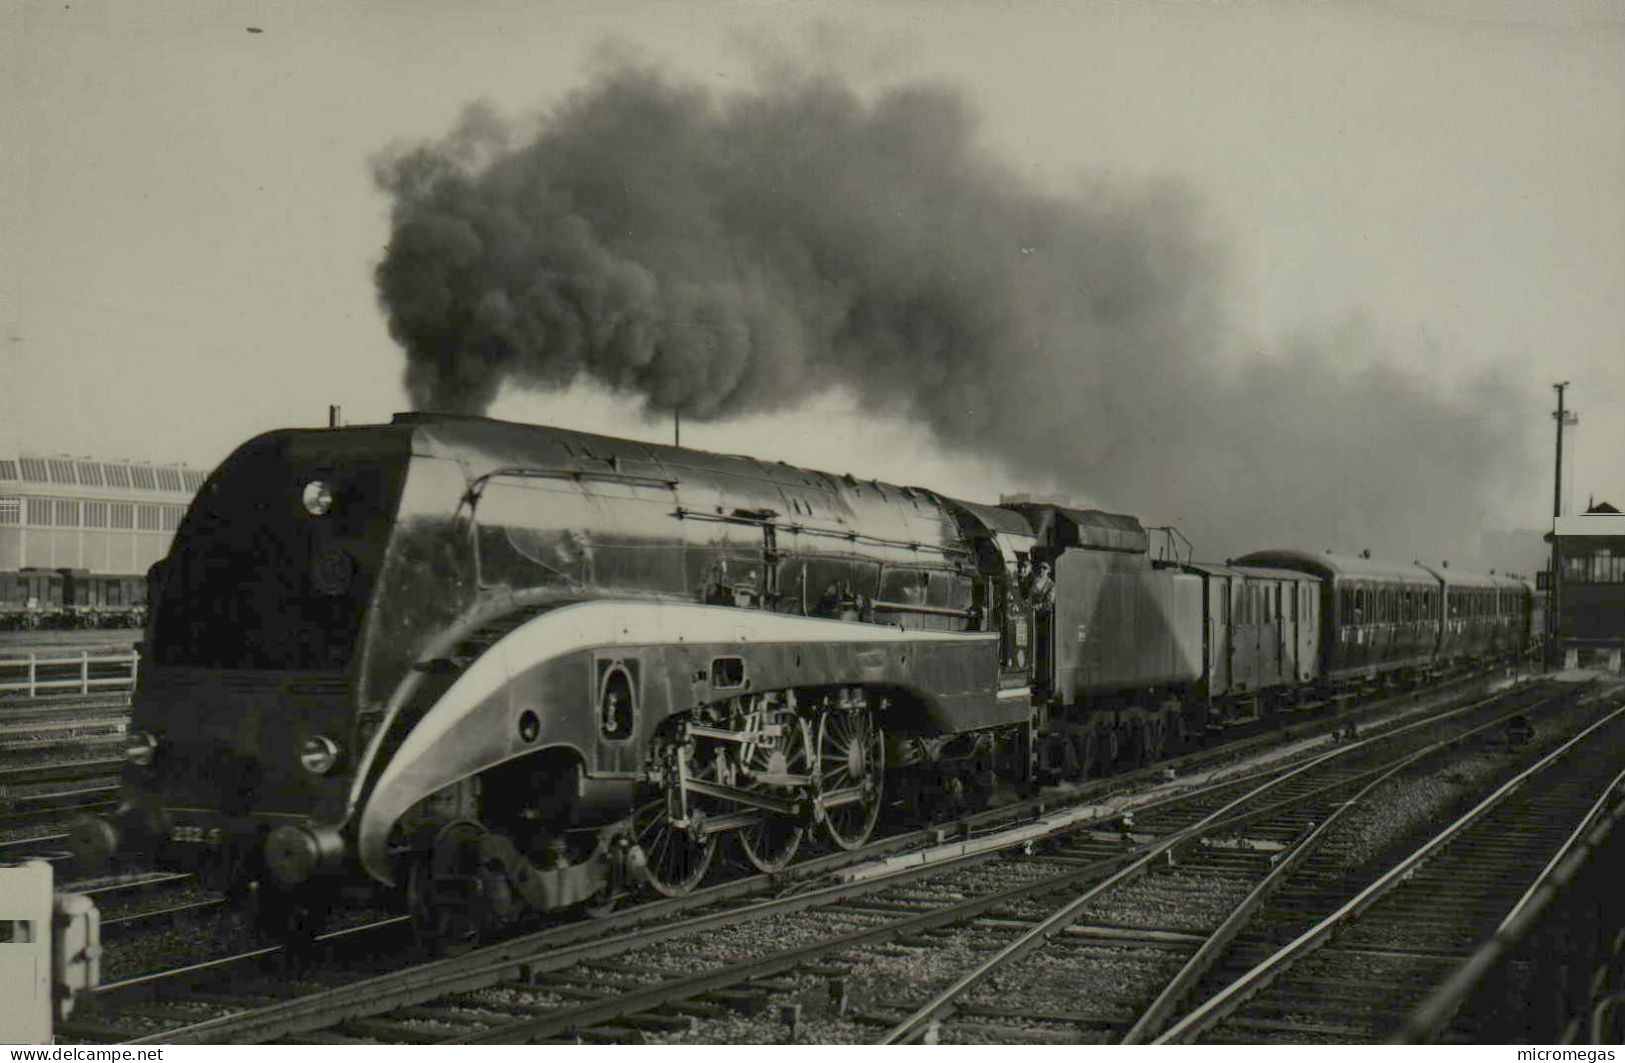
{"points": [[197, 835]]}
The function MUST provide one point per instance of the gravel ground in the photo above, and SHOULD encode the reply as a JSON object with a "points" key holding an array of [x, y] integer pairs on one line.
{"points": [[206, 934], [898, 974], [1412, 804]]}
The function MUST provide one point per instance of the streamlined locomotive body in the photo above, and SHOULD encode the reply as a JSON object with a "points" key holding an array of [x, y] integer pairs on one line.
{"points": [[514, 668]]}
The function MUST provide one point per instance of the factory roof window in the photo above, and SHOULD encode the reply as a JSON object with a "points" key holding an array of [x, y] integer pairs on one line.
{"points": [[34, 471], [8, 469], [90, 473], [62, 471], [141, 477]]}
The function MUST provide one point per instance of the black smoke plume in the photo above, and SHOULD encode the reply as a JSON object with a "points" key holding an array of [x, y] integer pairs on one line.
{"points": [[719, 254]]}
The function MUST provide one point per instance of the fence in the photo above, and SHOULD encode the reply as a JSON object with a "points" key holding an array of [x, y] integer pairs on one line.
{"points": [[46, 672]]}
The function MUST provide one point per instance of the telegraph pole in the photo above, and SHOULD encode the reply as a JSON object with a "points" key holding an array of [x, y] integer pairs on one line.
{"points": [[677, 427], [1557, 487], [1563, 419]]}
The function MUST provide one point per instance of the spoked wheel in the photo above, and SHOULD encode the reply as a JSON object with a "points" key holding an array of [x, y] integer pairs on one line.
{"points": [[675, 856], [771, 844], [1084, 750], [1156, 738], [851, 767], [445, 892], [676, 862]]}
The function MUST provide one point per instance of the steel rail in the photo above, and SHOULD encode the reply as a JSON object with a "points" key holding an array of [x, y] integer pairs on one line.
{"points": [[1436, 1010], [74, 769], [944, 1002], [37, 808], [27, 843], [561, 946], [1248, 984], [159, 878], [1155, 1016], [567, 944], [223, 962], [506, 955], [23, 708], [119, 925]]}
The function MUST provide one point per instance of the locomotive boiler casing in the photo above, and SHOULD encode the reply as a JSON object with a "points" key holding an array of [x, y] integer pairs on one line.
{"points": [[352, 620]]}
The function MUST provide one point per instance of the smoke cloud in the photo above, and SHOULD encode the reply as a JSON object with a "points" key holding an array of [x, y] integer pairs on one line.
{"points": [[721, 254]]}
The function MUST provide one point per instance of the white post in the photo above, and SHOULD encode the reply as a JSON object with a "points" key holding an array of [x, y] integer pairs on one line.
{"points": [[32, 673], [84, 671], [25, 953]]}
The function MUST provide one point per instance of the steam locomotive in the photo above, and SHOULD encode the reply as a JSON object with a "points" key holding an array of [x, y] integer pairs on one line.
{"points": [[514, 669]]}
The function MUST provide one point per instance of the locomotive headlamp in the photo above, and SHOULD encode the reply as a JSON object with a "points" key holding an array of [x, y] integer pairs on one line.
{"points": [[318, 498], [140, 748], [319, 754]]}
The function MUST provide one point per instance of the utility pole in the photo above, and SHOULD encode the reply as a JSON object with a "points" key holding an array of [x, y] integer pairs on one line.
{"points": [[677, 428], [1557, 486], [332, 417], [1563, 419]]}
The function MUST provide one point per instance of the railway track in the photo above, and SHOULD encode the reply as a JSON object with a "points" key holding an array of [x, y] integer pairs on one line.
{"points": [[1355, 974], [134, 937], [1175, 892], [79, 739], [558, 967]]}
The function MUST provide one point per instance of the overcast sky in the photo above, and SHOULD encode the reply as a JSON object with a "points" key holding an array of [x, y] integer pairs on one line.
{"points": [[190, 223]]}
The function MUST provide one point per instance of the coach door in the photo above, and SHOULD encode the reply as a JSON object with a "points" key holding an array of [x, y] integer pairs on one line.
{"points": [[1286, 593], [1220, 645], [1269, 636]]}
